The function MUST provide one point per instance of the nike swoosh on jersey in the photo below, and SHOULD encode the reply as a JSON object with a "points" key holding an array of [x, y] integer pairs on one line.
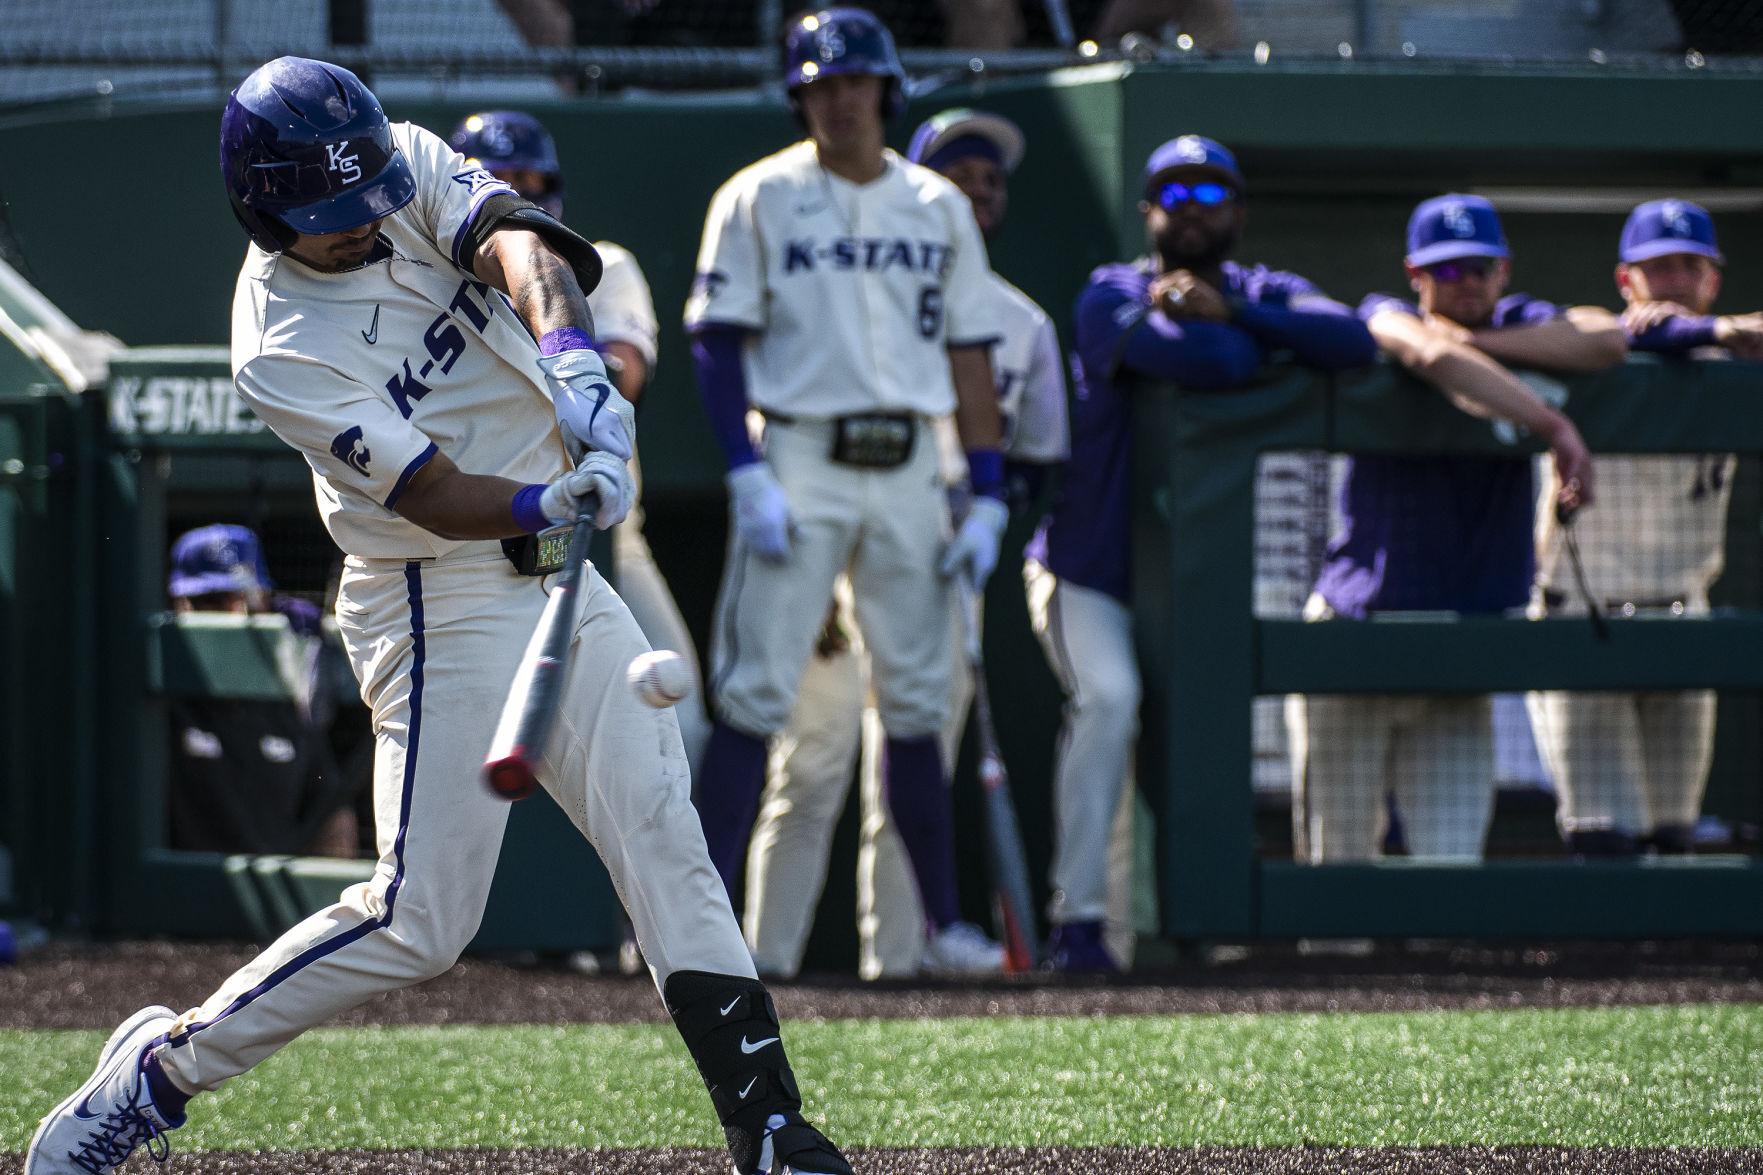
{"points": [[372, 334], [754, 1046]]}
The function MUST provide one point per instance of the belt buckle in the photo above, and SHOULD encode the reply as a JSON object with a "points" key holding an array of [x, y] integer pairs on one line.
{"points": [[873, 440]]}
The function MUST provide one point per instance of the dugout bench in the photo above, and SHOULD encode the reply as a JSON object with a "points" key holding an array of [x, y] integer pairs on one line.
{"points": [[179, 445], [1206, 655]]}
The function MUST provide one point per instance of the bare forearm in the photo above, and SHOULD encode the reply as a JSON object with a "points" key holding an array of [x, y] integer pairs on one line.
{"points": [[449, 502], [628, 369], [976, 398], [541, 284], [1586, 340], [1481, 387]]}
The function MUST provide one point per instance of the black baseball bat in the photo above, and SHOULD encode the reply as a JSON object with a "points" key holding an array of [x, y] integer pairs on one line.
{"points": [[1012, 901], [532, 700]]}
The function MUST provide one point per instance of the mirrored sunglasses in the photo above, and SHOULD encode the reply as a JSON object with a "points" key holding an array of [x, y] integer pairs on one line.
{"points": [[1208, 194], [1462, 267]]}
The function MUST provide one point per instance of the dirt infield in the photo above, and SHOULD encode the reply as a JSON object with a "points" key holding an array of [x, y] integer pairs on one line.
{"points": [[97, 986], [991, 1161]]}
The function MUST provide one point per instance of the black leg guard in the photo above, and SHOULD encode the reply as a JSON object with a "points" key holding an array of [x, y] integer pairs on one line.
{"points": [[730, 1027]]}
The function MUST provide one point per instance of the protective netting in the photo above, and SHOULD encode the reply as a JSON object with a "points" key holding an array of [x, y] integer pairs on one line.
{"points": [[60, 48], [1448, 775]]}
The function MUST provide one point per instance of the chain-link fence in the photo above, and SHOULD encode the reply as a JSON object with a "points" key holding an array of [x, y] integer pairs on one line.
{"points": [[61, 48]]}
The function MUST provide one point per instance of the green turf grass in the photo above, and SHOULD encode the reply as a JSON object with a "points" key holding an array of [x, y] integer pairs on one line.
{"points": [[1675, 1076]]}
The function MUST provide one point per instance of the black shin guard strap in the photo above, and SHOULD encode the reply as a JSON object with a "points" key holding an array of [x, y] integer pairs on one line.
{"points": [[730, 1027]]}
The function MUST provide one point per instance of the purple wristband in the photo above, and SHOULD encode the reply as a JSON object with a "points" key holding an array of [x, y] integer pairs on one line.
{"points": [[985, 472], [527, 514], [565, 338]]}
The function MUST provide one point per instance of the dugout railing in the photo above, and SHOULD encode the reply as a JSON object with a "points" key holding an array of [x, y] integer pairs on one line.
{"points": [[1206, 655]]}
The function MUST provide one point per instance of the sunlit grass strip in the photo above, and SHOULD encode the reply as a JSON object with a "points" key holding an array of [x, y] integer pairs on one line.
{"points": [[1674, 1076]]}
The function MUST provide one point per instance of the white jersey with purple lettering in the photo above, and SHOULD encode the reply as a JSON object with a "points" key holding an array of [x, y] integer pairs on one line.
{"points": [[370, 371], [812, 765], [853, 292]]}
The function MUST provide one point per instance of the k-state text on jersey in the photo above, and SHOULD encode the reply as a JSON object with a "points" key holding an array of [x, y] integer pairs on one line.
{"points": [[876, 254]]}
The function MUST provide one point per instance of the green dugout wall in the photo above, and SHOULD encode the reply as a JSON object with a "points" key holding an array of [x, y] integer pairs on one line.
{"points": [[1335, 154]]}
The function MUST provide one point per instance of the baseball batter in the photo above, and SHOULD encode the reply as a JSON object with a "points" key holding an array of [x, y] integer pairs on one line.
{"points": [[1431, 533], [812, 763], [1631, 767], [384, 324], [516, 148], [844, 293]]}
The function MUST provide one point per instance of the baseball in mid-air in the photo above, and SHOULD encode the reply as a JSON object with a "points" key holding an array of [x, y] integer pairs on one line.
{"points": [[660, 678]]}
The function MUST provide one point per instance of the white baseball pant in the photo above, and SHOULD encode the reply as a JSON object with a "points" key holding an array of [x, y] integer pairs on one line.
{"points": [[885, 528], [1087, 636], [1629, 762], [1434, 753], [834, 724], [435, 645]]}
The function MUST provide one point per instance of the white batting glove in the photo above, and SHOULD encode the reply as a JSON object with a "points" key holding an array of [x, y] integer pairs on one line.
{"points": [[589, 408], [600, 483], [974, 549], [762, 511]]}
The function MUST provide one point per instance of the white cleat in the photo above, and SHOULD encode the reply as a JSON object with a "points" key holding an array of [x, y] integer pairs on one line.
{"points": [[961, 948], [102, 1122]]}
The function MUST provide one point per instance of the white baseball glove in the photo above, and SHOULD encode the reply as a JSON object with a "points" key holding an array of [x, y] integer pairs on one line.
{"points": [[762, 510], [589, 408], [974, 549], [600, 483]]}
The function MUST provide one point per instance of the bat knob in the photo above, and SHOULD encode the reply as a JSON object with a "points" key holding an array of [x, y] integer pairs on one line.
{"points": [[510, 777]]}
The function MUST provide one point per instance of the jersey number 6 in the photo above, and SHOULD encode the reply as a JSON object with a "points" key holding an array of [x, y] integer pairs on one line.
{"points": [[930, 311]]}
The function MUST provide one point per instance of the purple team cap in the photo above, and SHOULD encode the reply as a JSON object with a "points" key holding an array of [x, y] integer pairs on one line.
{"points": [[1445, 228], [1659, 227], [1194, 151], [217, 558]]}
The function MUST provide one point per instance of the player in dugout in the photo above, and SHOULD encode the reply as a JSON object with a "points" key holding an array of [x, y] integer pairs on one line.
{"points": [[1186, 314], [516, 148], [1630, 768], [254, 775], [1438, 533]]}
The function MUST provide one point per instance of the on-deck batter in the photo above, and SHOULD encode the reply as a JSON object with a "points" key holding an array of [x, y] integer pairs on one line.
{"points": [[844, 293], [811, 763], [384, 324]]}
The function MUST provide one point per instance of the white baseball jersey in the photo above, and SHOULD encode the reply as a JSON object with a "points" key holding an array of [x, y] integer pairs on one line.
{"points": [[1031, 379], [1030, 374], [1655, 533], [854, 292], [623, 309], [367, 372]]}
